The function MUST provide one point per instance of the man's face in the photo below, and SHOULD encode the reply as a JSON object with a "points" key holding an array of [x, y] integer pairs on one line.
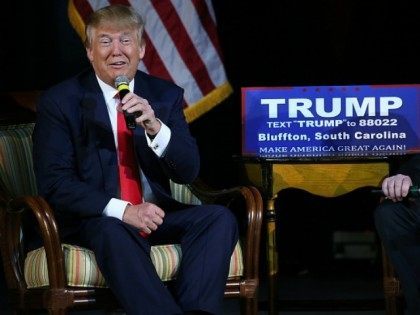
{"points": [[114, 52]]}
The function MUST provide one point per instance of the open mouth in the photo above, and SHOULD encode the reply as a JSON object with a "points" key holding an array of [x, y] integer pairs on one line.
{"points": [[118, 64]]}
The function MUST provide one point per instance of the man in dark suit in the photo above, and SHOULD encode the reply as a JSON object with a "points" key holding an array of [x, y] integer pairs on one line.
{"points": [[79, 169], [397, 220]]}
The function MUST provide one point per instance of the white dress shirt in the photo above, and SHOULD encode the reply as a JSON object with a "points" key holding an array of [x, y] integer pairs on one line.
{"points": [[115, 207]]}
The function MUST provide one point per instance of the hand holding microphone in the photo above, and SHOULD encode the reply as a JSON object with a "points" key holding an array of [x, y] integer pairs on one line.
{"points": [[149, 121], [121, 84]]}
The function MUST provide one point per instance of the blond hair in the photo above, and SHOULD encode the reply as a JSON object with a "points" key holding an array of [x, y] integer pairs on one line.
{"points": [[119, 16]]}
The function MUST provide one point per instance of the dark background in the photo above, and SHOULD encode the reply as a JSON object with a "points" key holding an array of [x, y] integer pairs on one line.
{"points": [[265, 43]]}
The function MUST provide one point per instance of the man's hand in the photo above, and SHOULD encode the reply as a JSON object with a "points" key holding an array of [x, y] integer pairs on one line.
{"points": [[134, 103], [146, 216], [396, 187]]}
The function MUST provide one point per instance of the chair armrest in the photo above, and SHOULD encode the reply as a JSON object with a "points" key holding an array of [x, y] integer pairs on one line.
{"points": [[254, 210], [51, 240]]}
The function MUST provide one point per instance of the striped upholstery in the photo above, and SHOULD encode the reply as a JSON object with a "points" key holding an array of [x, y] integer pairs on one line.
{"points": [[82, 270], [16, 169], [17, 178], [182, 194], [80, 263]]}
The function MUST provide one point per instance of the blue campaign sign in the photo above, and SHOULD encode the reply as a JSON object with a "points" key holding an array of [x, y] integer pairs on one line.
{"points": [[330, 120]]}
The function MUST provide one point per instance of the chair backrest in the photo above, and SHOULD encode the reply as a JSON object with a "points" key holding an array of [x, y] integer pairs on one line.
{"points": [[17, 177], [183, 194]]}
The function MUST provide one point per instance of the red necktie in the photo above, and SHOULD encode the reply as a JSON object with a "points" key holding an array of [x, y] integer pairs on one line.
{"points": [[130, 187]]}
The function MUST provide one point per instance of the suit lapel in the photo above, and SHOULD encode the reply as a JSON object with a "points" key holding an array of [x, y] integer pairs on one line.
{"points": [[99, 131]]}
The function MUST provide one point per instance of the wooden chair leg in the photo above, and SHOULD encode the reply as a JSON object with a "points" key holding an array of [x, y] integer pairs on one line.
{"points": [[249, 306], [394, 305], [392, 289]]}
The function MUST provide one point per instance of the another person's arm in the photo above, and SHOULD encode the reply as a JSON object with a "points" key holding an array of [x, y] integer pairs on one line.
{"points": [[396, 187]]}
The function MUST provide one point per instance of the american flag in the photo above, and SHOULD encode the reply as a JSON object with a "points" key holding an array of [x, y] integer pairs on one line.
{"points": [[181, 46]]}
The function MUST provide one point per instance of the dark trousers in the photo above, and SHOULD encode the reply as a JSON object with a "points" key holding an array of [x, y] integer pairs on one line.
{"points": [[207, 235], [398, 226]]}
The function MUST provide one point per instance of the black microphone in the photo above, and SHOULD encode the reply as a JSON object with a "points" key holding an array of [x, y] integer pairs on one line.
{"points": [[121, 84], [413, 192]]}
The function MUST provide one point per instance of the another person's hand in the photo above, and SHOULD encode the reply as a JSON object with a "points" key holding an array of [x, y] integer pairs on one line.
{"points": [[146, 216], [134, 103], [396, 187]]}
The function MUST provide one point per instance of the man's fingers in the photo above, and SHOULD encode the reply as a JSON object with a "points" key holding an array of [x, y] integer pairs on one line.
{"points": [[158, 220], [396, 187], [152, 226], [160, 213], [146, 230]]}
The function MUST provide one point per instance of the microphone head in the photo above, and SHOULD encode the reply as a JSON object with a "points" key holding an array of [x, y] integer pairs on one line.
{"points": [[121, 80]]}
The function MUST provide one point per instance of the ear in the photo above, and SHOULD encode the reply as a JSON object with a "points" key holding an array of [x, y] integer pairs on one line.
{"points": [[142, 49], [89, 54]]}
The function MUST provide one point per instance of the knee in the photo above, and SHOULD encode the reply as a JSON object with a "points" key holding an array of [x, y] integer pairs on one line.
{"points": [[221, 217], [226, 220], [392, 221], [224, 214]]}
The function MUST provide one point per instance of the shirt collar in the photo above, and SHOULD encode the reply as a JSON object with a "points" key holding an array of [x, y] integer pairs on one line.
{"points": [[109, 91]]}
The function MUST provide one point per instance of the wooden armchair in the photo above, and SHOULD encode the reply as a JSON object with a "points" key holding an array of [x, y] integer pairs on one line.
{"points": [[48, 277], [394, 304]]}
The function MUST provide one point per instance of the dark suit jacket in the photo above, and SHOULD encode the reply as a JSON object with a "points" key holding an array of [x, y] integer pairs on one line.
{"points": [[75, 158]]}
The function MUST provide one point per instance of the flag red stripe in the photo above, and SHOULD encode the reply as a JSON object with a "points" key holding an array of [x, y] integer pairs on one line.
{"points": [[84, 9], [208, 24], [184, 45], [153, 62]]}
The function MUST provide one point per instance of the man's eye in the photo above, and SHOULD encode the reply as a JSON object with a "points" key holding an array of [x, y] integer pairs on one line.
{"points": [[126, 41], [105, 41]]}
